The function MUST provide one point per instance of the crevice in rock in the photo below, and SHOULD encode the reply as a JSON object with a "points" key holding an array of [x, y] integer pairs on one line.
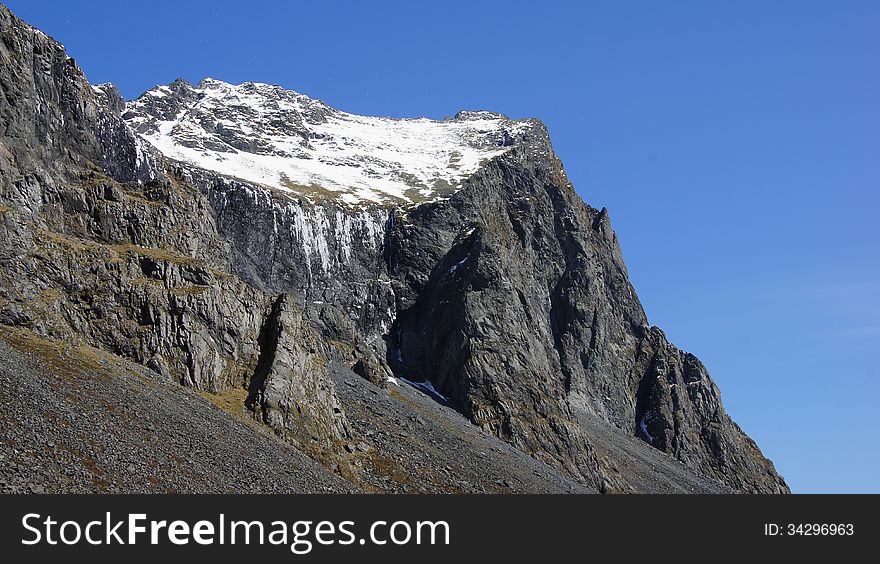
{"points": [[268, 345]]}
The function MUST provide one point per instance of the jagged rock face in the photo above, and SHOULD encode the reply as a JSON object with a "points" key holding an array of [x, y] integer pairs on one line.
{"points": [[291, 386], [500, 287], [485, 327], [330, 257], [99, 245], [525, 316], [679, 411], [53, 120]]}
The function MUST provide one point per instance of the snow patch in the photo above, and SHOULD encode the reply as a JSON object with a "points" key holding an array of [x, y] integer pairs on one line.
{"points": [[282, 139], [459, 263], [643, 425], [426, 387]]}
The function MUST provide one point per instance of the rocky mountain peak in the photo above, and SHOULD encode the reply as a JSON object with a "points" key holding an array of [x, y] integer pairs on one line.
{"points": [[267, 135], [506, 296]]}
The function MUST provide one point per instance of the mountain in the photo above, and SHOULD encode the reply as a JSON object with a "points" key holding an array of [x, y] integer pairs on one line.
{"points": [[284, 140], [415, 305]]}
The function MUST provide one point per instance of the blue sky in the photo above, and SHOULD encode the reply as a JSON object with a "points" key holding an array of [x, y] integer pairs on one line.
{"points": [[735, 144]]}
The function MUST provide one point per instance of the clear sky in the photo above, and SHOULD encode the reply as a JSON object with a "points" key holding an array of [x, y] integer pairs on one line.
{"points": [[735, 144]]}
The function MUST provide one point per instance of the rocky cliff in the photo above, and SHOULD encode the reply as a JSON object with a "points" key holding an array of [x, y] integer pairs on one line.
{"points": [[251, 242]]}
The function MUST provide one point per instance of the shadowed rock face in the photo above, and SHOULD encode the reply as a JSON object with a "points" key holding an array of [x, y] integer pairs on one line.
{"points": [[510, 296], [522, 313]]}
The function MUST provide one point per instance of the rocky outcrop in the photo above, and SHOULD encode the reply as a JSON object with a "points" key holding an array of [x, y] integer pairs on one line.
{"points": [[53, 120], [291, 387], [509, 296], [524, 315], [679, 411]]}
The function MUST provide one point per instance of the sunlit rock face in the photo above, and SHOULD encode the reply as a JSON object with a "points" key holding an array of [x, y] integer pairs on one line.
{"points": [[274, 137], [246, 238]]}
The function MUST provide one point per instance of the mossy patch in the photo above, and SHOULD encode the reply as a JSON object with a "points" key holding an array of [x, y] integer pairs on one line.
{"points": [[157, 254], [183, 291], [231, 400], [387, 467], [50, 295], [66, 243], [144, 281], [128, 191], [60, 357], [110, 252], [311, 191]]}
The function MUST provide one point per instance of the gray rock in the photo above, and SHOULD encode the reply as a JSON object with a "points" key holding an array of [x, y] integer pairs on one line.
{"points": [[510, 297], [291, 387]]}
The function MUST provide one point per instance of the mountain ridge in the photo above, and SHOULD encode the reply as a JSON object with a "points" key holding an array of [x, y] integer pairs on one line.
{"points": [[285, 140], [508, 295]]}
